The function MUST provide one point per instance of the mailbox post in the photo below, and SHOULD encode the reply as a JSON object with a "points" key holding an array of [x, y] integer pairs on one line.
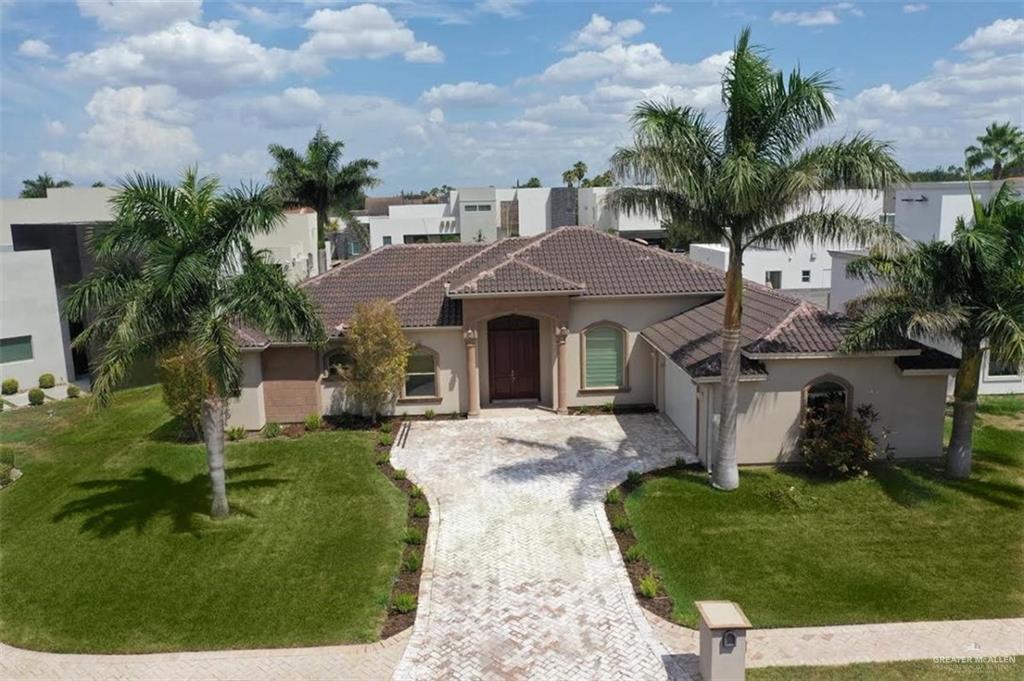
{"points": [[723, 641]]}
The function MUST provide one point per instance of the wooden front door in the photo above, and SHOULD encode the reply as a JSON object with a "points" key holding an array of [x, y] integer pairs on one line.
{"points": [[513, 352]]}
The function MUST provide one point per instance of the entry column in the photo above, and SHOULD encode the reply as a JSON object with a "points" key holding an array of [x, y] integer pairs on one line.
{"points": [[472, 372], [562, 405]]}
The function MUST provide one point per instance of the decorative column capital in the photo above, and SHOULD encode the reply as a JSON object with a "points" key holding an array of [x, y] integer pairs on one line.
{"points": [[561, 333], [470, 336]]}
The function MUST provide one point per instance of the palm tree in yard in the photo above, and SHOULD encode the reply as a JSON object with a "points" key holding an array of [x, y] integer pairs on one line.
{"points": [[749, 183], [176, 269], [1002, 145], [319, 179], [968, 291], [36, 189]]}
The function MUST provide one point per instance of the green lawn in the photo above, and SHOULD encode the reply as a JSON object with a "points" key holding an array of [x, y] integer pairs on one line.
{"points": [[106, 545], [902, 544], [896, 671]]}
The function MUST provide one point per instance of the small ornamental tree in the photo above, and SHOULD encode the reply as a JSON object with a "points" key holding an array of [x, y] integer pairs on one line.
{"points": [[185, 385], [377, 351]]}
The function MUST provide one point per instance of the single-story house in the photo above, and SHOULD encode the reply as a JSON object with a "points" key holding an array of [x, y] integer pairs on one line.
{"points": [[575, 317]]}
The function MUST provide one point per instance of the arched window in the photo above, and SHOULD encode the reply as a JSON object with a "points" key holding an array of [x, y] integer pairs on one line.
{"points": [[828, 395], [334, 363], [420, 374], [604, 357]]}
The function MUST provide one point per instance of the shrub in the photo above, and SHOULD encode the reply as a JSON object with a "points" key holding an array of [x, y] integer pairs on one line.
{"points": [[412, 561], [377, 350], [413, 536], [634, 478], [620, 522], [36, 396], [428, 414], [614, 496], [634, 553], [648, 586], [415, 492], [608, 407], [386, 426], [382, 458], [385, 439], [314, 422], [420, 509], [404, 603], [10, 386], [399, 474], [74, 392], [236, 433], [836, 444], [271, 430], [47, 381], [185, 384]]}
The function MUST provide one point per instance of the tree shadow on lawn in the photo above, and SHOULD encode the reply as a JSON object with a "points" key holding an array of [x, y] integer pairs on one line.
{"points": [[912, 484], [118, 505]]}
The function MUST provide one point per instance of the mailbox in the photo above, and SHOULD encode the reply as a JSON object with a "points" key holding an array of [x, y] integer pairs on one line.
{"points": [[723, 641]]}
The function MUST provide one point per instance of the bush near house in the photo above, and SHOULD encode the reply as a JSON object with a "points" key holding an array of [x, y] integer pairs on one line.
{"points": [[36, 397], [10, 386], [47, 381], [74, 391], [377, 352], [185, 384], [837, 444]]}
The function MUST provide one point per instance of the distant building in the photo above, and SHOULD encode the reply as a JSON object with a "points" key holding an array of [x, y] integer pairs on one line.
{"points": [[44, 249]]}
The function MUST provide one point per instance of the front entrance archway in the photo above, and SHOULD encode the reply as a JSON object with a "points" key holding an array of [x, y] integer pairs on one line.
{"points": [[513, 358]]}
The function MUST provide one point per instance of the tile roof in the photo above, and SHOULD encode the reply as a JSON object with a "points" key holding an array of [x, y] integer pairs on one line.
{"points": [[580, 261]]}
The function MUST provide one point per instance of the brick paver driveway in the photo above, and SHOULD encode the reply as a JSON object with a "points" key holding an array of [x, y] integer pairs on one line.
{"points": [[522, 577]]}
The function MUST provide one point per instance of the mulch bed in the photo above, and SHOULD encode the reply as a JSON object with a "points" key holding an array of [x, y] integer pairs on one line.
{"points": [[661, 605], [612, 409]]}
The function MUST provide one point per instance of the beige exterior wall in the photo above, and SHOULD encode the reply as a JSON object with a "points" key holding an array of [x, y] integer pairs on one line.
{"points": [[912, 407], [247, 410], [634, 314]]}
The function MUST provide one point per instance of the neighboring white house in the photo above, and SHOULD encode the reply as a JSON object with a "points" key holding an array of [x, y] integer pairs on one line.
{"points": [[44, 249], [593, 210], [805, 270], [928, 211]]}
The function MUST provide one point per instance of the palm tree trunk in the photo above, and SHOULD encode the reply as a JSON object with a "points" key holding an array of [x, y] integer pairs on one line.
{"points": [[997, 170], [725, 472], [965, 405], [213, 431]]}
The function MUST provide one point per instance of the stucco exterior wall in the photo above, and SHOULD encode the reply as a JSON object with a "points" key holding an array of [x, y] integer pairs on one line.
{"points": [[912, 407], [28, 307], [247, 410], [680, 400], [634, 314]]}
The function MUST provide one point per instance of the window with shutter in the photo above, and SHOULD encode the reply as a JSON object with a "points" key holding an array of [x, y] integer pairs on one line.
{"points": [[604, 350]]}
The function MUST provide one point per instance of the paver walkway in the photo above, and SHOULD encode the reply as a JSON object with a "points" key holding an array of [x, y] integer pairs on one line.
{"points": [[522, 578]]}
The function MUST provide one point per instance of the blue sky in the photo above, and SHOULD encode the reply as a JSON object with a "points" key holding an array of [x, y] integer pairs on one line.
{"points": [[464, 92]]}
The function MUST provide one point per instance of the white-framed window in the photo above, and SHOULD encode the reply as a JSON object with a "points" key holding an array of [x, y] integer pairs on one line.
{"points": [[15, 349], [386, 240], [471, 208], [604, 357], [827, 395], [420, 374], [805, 276], [1001, 370], [773, 278], [334, 363]]}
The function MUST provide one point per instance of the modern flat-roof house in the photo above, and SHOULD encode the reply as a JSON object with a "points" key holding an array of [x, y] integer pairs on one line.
{"points": [[804, 271], [574, 317], [928, 211], [44, 249], [485, 214]]}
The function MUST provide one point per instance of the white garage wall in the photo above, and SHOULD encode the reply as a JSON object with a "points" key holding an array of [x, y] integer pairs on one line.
{"points": [[681, 400]]}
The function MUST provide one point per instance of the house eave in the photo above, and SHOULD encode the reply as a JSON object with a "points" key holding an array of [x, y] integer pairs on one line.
{"points": [[832, 355]]}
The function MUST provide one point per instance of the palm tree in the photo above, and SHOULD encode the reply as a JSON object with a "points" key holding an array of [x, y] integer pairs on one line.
{"points": [[569, 177], [968, 291], [176, 268], [748, 184], [319, 179], [36, 189], [1002, 144]]}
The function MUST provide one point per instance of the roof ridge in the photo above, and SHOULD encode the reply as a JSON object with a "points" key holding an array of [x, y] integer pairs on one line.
{"points": [[545, 272], [672, 256], [446, 272], [518, 261], [338, 268], [801, 307]]}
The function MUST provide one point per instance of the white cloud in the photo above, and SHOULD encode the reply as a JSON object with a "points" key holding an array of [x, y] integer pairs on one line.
{"points": [[504, 8], [133, 16], [659, 8], [134, 128], [821, 17], [255, 14], [1000, 34], [467, 93], [914, 8], [35, 49], [641, 64], [602, 32], [436, 116], [364, 31], [53, 127], [295, 106], [195, 59]]}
